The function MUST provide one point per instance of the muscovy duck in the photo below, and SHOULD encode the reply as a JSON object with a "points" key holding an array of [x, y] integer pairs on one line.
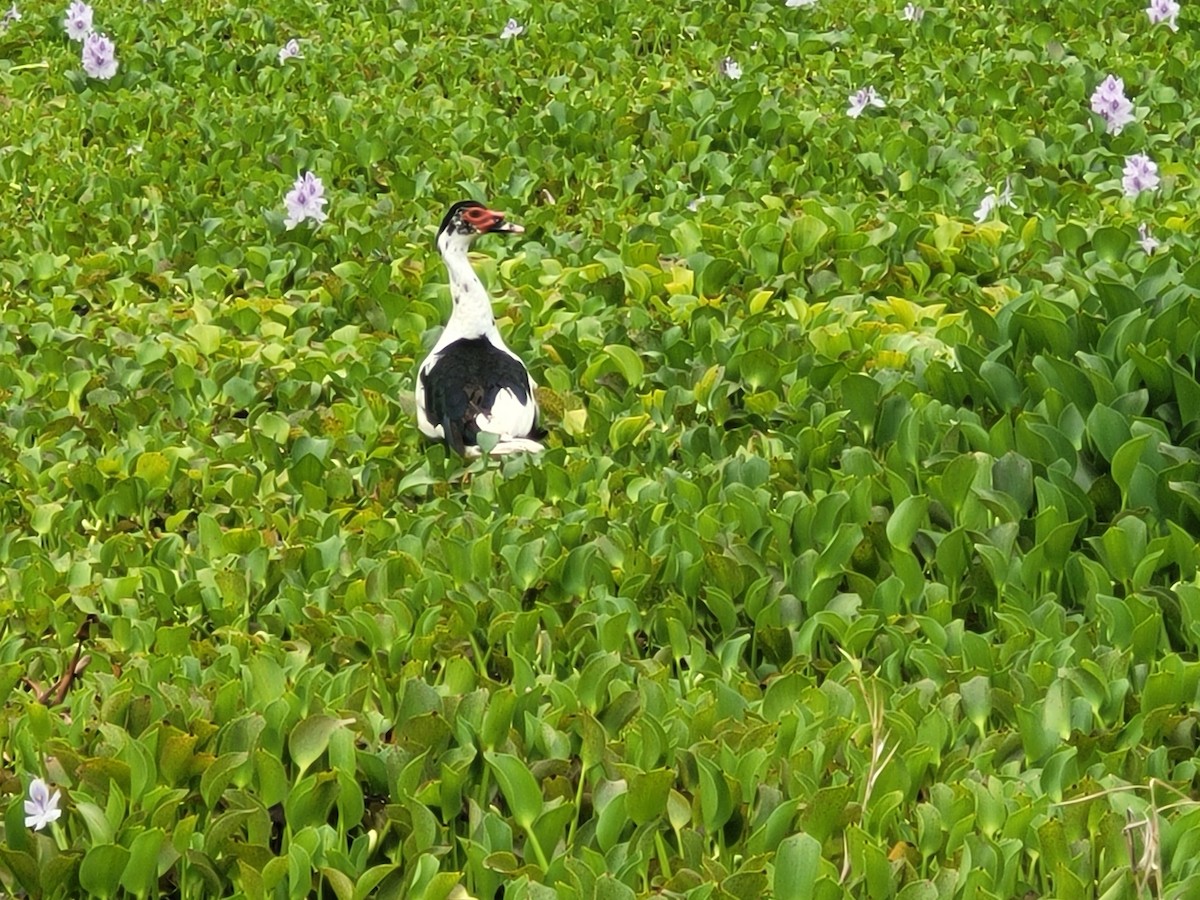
{"points": [[471, 383]]}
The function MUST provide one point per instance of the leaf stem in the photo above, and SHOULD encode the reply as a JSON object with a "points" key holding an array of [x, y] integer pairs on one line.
{"points": [[537, 848], [664, 858]]}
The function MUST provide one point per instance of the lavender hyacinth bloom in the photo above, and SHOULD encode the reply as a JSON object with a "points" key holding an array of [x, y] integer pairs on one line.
{"points": [[42, 807], [1141, 174], [1110, 103], [511, 29], [863, 98], [1163, 11], [290, 50], [12, 15], [304, 201], [912, 13], [78, 21], [99, 56], [1148, 241], [730, 69]]}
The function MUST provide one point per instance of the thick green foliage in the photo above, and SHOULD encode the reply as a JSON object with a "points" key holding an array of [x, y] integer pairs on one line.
{"points": [[861, 563]]}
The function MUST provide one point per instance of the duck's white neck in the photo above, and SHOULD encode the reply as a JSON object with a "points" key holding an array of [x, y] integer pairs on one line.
{"points": [[472, 315]]}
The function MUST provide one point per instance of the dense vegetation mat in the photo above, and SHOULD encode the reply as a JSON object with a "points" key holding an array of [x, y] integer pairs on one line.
{"points": [[862, 561]]}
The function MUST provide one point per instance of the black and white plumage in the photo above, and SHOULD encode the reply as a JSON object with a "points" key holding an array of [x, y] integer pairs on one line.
{"points": [[471, 383]]}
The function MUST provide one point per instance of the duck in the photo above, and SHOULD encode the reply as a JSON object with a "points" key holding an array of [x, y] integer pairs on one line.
{"points": [[471, 383]]}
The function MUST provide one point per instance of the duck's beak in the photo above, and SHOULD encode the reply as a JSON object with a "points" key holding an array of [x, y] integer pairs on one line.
{"points": [[499, 224]]}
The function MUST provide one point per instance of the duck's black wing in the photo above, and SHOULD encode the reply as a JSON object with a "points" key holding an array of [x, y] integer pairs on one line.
{"points": [[463, 383]]}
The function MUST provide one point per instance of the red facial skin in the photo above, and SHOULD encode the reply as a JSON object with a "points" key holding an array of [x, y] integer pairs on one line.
{"points": [[485, 220]]}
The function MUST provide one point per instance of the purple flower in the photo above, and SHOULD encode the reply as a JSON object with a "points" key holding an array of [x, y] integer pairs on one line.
{"points": [[78, 21], [912, 13], [1148, 241], [305, 201], [290, 50], [99, 56], [511, 29], [1141, 174], [730, 69], [42, 807], [12, 15], [1163, 11], [863, 98], [1110, 103]]}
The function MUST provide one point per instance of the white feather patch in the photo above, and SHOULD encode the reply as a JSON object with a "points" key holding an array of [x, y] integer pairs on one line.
{"points": [[503, 448], [509, 416]]}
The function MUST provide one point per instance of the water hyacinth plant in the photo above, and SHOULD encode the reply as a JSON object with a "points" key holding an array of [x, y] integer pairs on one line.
{"points": [[1140, 174], [1110, 103], [290, 50], [305, 201], [78, 21], [1148, 242], [730, 69], [863, 99], [512, 28], [861, 560], [912, 13], [1165, 12], [12, 14], [99, 56], [993, 200], [41, 809]]}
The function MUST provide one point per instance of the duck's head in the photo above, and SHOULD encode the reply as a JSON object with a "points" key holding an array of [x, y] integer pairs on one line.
{"points": [[467, 219]]}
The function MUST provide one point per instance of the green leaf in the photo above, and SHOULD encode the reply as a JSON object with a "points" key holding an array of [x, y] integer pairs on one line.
{"points": [[903, 523], [612, 822], [99, 828], [44, 266], [1108, 430], [309, 738], [23, 866], [154, 469], [919, 890], [207, 337], [797, 867], [609, 888], [1002, 384], [1111, 243], [142, 871], [217, 775], [1125, 460], [372, 878], [628, 363], [628, 429], [807, 233], [274, 426], [976, 696], [648, 792], [101, 869], [826, 811], [1012, 473], [716, 802], [519, 786], [42, 520], [342, 885], [716, 278]]}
